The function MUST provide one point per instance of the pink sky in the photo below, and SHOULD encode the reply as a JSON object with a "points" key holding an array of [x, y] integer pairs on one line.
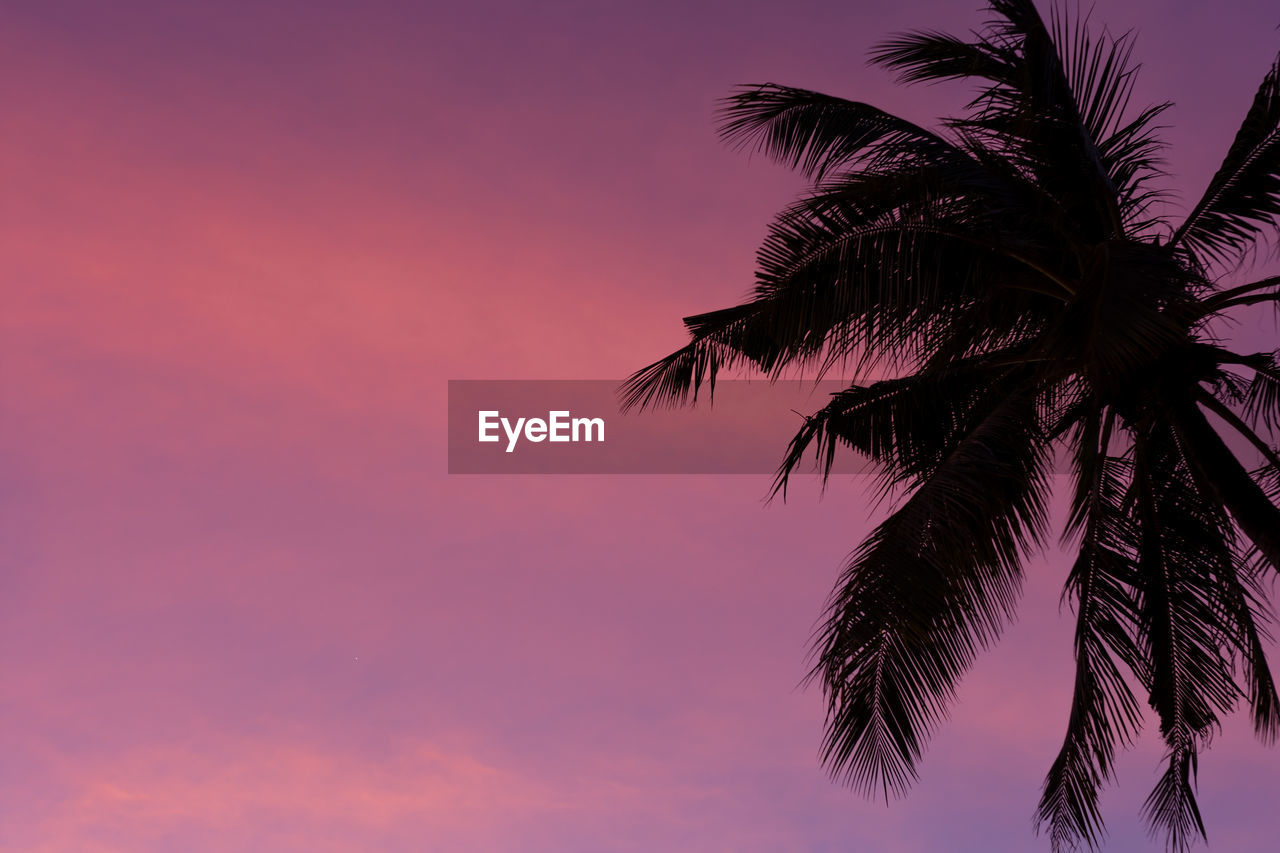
{"points": [[243, 607]]}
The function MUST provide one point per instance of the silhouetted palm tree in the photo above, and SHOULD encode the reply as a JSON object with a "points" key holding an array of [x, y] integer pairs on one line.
{"points": [[1010, 271]]}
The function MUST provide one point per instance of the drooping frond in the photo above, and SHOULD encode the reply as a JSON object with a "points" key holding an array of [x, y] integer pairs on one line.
{"points": [[1104, 713], [930, 587], [858, 269], [1216, 466], [680, 376], [846, 292], [1181, 628], [1245, 600], [1201, 610], [906, 425]]}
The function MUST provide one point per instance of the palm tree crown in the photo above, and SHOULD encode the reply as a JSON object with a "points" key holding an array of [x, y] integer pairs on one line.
{"points": [[1011, 275]]}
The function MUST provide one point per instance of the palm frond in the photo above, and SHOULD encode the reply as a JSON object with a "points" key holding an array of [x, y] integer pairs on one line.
{"points": [[1214, 464], [1183, 625], [933, 584], [837, 276], [1243, 196], [818, 134], [1172, 804], [930, 56], [907, 425], [1104, 713], [1262, 400]]}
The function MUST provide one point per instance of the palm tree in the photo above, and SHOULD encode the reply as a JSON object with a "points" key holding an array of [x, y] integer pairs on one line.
{"points": [[1012, 276]]}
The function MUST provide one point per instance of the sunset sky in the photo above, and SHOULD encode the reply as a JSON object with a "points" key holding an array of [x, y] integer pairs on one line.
{"points": [[243, 607]]}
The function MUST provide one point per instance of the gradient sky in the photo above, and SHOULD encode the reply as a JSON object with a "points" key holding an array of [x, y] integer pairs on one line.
{"points": [[243, 607]]}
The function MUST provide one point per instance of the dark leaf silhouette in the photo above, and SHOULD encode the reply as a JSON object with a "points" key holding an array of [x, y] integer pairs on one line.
{"points": [[1007, 277]]}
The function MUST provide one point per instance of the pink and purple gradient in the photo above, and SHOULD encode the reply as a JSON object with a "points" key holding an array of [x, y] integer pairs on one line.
{"points": [[243, 607]]}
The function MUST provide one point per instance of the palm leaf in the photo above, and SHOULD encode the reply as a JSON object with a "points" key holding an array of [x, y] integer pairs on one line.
{"points": [[1104, 712], [906, 425], [1191, 618], [933, 584], [1262, 400], [818, 133], [1243, 197]]}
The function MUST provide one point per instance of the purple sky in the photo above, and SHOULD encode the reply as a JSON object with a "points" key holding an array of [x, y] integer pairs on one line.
{"points": [[243, 606]]}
